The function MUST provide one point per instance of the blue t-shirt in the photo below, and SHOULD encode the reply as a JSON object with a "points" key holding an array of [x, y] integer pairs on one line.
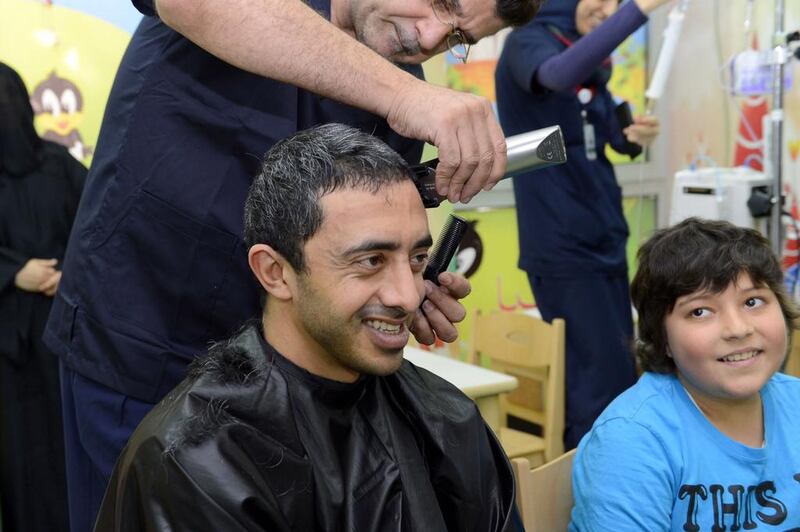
{"points": [[652, 461]]}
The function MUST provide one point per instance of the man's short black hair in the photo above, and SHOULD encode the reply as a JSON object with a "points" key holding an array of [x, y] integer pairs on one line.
{"points": [[282, 208]]}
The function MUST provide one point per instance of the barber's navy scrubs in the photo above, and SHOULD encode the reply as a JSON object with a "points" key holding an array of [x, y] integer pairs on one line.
{"points": [[572, 232], [156, 267]]}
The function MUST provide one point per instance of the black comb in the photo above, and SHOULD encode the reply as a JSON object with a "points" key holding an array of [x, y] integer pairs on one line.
{"points": [[445, 247]]}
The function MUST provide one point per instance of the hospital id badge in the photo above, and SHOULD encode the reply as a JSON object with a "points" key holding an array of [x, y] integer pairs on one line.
{"points": [[589, 141]]}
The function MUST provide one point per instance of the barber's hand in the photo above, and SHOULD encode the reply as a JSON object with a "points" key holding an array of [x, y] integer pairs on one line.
{"points": [[441, 310], [35, 272], [472, 147], [643, 130]]}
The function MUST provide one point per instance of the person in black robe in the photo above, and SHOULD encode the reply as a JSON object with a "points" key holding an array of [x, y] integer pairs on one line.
{"points": [[40, 185], [311, 419]]}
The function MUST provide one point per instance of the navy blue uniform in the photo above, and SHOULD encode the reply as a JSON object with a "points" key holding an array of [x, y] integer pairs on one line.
{"points": [[156, 266], [572, 231]]}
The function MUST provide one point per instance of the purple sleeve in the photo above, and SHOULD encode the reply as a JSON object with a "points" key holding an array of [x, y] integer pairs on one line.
{"points": [[577, 62]]}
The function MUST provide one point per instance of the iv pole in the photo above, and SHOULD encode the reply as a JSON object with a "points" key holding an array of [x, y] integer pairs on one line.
{"points": [[779, 57]]}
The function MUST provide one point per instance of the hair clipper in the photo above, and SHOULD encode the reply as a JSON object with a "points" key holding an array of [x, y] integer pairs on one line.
{"points": [[533, 150]]}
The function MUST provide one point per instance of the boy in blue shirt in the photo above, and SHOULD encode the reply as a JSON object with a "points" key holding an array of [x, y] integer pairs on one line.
{"points": [[708, 437]]}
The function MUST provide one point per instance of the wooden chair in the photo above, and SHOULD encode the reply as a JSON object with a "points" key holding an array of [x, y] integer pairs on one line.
{"points": [[533, 351], [544, 494]]}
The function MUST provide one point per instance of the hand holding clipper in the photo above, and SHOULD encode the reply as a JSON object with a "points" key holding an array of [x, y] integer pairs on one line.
{"points": [[527, 151]]}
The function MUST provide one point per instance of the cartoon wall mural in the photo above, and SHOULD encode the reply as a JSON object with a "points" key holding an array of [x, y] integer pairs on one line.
{"points": [[470, 251], [58, 110], [67, 53]]}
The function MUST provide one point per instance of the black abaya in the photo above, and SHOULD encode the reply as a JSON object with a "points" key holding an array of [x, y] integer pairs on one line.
{"points": [[40, 185]]}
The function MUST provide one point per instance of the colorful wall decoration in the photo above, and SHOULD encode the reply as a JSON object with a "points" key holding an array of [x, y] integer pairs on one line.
{"points": [[67, 53]]}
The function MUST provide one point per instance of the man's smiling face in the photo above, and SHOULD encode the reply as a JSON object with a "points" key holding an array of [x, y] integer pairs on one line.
{"points": [[362, 284]]}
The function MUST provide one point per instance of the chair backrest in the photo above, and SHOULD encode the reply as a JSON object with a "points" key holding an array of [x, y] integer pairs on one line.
{"points": [[533, 351], [544, 494]]}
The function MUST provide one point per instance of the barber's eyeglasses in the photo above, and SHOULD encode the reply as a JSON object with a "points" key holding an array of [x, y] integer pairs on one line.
{"points": [[456, 40]]}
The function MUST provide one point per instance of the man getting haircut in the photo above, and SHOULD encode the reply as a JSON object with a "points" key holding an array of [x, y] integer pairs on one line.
{"points": [[310, 419]]}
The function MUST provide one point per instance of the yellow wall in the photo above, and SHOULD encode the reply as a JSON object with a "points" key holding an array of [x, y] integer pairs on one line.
{"points": [[37, 40]]}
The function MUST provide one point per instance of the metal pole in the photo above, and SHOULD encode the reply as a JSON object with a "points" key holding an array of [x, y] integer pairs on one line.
{"points": [[776, 120]]}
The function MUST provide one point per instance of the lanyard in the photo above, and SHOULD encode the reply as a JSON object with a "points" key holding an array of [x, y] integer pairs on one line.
{"points": [[585, 94]]}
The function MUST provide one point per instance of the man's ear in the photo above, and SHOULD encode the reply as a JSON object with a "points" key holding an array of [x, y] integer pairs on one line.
{"points": [[271, 270]]}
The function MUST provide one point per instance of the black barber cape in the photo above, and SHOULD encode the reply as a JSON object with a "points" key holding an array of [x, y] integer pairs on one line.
{"points": [[249, 441]]}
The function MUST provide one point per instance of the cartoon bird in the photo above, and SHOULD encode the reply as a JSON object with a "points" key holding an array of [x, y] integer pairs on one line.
{"points": [[58, 106], [470, 251]]}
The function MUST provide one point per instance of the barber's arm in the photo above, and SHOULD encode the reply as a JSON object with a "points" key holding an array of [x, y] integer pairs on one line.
{"points": [[288, 41]]}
